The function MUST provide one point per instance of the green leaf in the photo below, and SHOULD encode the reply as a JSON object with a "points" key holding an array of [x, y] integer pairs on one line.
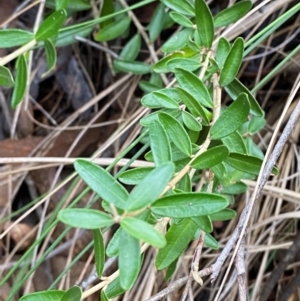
{"points": [[103, 183], [148, 87], [176, 132], [210, 242], [129, 260], [220, 171], [232, 14], [189, 204], [149, 189], [135, 67], [54, 295], [223, 49], [50, 56], [106, 10], [6, 79], [85, 218], [235, 143], [20, 81], [205, 23], [171, 269], [211, 157], [235, 88], [177, 41], [143, 231], [184, 63], [99, 250], [134, 176], [235, 188], [190, 121], [232, 63], [194, 86], [253, 149], [72, 294], [160, 144], [181, 19], [232, 118], [204, 222], [61, 4], [178, 237], [157, 22], [157, 100], [247, 164], [103, 296], [113, 30], [256, 124], [181, 6], [112, 248], [114, 289], [185, 184], [14, 37], [223, 215], [74, 5], [131, 49], [195, 107], [51, 25]]}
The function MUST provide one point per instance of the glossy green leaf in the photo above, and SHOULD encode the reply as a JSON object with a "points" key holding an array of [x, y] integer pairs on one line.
{"points": [[178, 237], [171, 270], [210, 242], [190, 121], [220, 171], [143, 231], [134, 176], [211, 157], [177, 41], [195, 107], [181, 19], [157, 22], [176, 132], [165, 101], [185, 184], [232, 63], [20, 81], [85, 218], [189, 204], [113, 30], [205, 23], [72, 294], [235, 188], [73, 5], [99, 250], [223, 215], [232, 13], [61, 4], [184, 63], [160, 144], [114, 289], [235, 88], [103, 296], [6, 79], [149, 189], [54, 295], [129, 260], [235, 143], [204, 222], [131, 49], [180, 6], [194, 86], [223, 49], [112, 248], [247, 164], [135, 67], [107, 8], [103, 183], [51, 25], [50, 55], [14, 37], [232, 118], [256, 124]]}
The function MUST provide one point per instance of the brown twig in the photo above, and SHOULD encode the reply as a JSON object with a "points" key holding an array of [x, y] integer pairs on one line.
{"points": [[241, 271]]}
